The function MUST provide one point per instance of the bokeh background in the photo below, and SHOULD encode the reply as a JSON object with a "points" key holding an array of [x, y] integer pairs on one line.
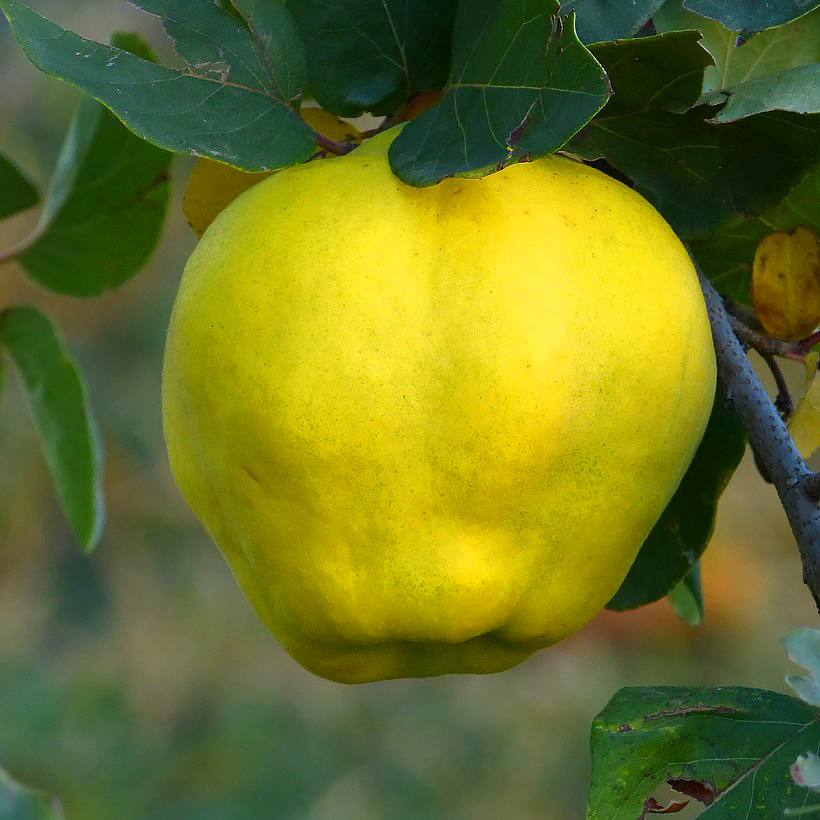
{"points": [[137, 682]]}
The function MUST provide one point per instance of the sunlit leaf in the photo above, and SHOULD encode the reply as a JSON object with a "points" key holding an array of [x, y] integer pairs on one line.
{"points": [[803, 647], [730, 747], [521, 85], [58, 405], [786, 283], [686, 598], [741, 15], [804, 425], [769, 54], [228, 106]]}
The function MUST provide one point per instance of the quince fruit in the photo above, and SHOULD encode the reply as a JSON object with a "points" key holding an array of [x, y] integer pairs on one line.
{"points": [[431, 428]]}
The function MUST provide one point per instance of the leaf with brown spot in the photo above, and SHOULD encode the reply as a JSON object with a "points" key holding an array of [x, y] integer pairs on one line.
{"points": [[786, 283]]}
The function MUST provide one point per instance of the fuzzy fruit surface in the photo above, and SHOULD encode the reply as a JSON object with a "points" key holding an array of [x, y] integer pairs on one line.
{"points": [[430, 428]]}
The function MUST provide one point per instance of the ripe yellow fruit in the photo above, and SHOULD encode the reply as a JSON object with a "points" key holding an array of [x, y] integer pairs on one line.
{"points": [[430, 428]]}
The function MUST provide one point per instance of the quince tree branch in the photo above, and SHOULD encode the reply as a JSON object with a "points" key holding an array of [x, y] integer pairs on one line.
{"points": [[797, 486]]}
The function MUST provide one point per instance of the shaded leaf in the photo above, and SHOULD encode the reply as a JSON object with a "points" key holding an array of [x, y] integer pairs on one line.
{"points": [[521, 85], [605, 20], [804, 425], [682, 533], [741, 15], [18, 802], [58, 404], [703, 177], [372, 55], [686, 598], [16, 191], [663, 72], [732, 745], [786, 283], [228, 107], [726, 257], [105, 208], [803, 647]]}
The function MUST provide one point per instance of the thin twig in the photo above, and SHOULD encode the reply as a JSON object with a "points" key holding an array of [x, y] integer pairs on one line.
{"points": [[771, 440], [783, 401]]}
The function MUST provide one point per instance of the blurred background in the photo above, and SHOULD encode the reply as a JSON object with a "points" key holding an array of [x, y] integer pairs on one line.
{"points": [[137, 682]]}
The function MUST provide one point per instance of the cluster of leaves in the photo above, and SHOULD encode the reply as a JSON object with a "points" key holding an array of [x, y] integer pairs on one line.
{"points": [[710, 110]]}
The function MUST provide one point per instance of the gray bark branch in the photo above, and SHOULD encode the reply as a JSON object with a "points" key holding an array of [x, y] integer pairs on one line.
{"points": [[794, 481]]}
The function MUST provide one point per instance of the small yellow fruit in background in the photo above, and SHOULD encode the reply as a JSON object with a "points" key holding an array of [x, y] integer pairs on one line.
{"points": [[431, 428]]}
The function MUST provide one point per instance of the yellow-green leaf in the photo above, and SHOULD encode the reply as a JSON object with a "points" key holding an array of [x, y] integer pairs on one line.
{"points": [[805, 424], [786, 283]]}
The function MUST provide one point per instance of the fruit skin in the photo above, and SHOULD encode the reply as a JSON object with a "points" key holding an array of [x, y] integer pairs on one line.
{"points": [[430, 428]]}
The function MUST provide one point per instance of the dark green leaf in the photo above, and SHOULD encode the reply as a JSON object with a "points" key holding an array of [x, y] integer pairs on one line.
{"points": [[703, 177], [726, 257], [741, 15], [521, 85], [230, 107], [58, 404], [372, 55], [105, 210], [605, 20], [661, 72], [683, 531], [16, 192], [20, 803], [731, 746], [686, 598]]}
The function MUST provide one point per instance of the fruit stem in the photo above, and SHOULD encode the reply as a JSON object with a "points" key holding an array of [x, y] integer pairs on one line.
{"points": [[337, 148]]}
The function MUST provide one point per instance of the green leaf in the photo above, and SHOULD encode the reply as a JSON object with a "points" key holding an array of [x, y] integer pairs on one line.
{"points": [[58, 404], [765, 55], [507, 97], [105, 209], [729, 747], [686, 598], [741, 15], [605, 20], [682, 533], [797, 89], [726, 257], [20, 803], [229, 107], [372, 55], [663, 72], [16, 191], [703, 177], [803, 647]]}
